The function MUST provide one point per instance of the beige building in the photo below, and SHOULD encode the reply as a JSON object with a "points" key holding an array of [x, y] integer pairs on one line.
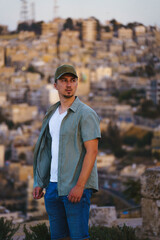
{"points": [[89, 29], [69, 39], [2, 155], [105, 160], [125, 33], [83, 81], [25, 35], [133, 170], [48, 95], [157, 37], [103, 72], [18, 80], [19, 113], [2, 56], [25, 172], [140, 30], [100, 73], [4, 29], [7, 71], [106, 35], [116, 46], [3, 98], [53, 27]]}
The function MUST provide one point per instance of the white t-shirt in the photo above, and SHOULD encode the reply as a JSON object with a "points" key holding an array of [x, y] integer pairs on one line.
{"points": [[54, 129]]}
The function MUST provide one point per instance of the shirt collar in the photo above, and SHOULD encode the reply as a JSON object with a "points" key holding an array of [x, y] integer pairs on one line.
{"points": [[75, 104]]}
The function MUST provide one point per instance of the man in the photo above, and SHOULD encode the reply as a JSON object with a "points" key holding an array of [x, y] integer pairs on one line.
{"points": [[64, 159]]}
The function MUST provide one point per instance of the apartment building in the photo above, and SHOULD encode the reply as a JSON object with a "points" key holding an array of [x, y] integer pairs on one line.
{"points": [[20, 113], [2, 155], [69, 39], [2, 53], [89, 29], [140, 30], [153, 90], [125, 33]]}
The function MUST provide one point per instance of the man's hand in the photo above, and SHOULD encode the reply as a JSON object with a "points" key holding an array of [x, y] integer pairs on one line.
{"points": [[75, 194], [38, 192]]}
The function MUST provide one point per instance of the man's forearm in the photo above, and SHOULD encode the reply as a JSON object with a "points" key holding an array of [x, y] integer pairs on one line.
{"points": [[87, 167]]}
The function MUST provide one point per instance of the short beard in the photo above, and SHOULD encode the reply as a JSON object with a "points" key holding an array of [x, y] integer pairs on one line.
{"points": [[67, 96]]}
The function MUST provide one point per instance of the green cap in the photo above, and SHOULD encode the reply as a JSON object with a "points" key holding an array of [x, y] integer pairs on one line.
{"points": [[64, 69]]}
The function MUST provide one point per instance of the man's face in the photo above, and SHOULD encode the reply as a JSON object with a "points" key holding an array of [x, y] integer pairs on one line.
{"points": [[66, 85]]}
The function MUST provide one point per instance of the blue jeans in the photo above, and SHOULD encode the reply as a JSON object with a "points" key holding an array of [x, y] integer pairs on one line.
{"points": [[67, 219]]}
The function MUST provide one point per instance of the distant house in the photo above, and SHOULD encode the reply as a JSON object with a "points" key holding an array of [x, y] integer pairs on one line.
{"points": [[153, 90]]}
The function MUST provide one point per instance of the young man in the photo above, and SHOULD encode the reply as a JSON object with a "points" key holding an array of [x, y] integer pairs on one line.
{"points": [[64, 159]]}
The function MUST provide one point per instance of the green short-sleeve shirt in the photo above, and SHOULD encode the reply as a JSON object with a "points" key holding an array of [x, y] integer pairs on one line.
{"points": [[79, 125]]}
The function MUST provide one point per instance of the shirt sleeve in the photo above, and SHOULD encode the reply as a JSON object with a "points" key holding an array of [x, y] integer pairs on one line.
{"points": [[90, 128]]}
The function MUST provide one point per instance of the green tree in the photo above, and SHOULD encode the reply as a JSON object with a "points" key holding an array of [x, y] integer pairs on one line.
{"points": [[133, 190], [112, 140], [68, 24]]}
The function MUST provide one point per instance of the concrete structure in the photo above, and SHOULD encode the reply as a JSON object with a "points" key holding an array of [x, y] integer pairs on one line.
{"points": [[103, 72], [2, 155], [103, 216], [2, 56], [19, 113], [153, 90], [53, 27], [124, 33], [48, 95], [106, 35], [134, 170], [90, 29], [150, 182], [105, 160], [24, 35], [4, 29], [116, 46], [139, 30], [69, 39], [83, 81], [3, 98]]}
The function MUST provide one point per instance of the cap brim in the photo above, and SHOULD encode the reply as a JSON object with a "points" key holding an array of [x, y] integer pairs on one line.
{"points": [[65, 73]]}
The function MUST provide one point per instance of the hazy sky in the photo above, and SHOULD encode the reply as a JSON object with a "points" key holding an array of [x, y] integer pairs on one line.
{"points": [[144, 11]]}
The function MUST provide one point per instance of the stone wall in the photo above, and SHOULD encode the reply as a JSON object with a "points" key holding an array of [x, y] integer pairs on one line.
{"points": [[150, 182], [102, 216]]}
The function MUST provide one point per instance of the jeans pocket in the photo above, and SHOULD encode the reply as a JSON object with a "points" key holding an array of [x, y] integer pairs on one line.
{"points": [[87, 195]]}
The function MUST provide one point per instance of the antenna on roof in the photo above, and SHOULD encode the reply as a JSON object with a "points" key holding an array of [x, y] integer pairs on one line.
{"points": [[24, 11], [55, 9], [33, 12]]}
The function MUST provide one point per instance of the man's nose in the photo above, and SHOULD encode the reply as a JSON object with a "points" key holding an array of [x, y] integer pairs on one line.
{"points": [[68, 83]]}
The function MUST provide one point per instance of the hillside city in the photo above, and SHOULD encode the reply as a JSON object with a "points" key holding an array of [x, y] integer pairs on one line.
{"points": [[119, 77]]}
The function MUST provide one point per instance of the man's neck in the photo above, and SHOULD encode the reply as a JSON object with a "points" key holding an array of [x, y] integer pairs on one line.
{"points": [[65, 104]]}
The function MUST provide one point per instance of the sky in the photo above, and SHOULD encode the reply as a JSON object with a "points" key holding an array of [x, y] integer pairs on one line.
{"points": [[146, 12]]}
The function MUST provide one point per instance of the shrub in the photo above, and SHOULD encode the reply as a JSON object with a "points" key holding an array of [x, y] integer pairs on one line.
{"points": [[7, 229], [38, 232], [113, 233]]}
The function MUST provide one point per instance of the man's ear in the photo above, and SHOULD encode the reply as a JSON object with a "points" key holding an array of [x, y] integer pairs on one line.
{"points": [[55, 85]]}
